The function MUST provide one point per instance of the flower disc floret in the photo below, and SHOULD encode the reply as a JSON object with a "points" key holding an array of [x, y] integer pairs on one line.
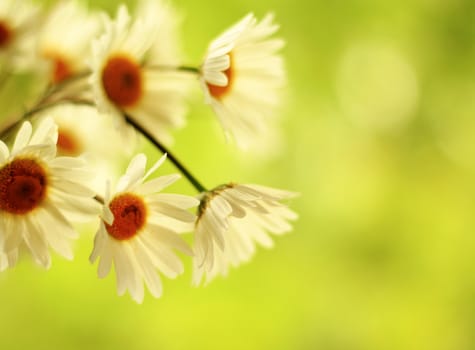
{"points": [[23, 184], [61, 68], [122, 80], [130, 216], [67, 143], [5, 34]]}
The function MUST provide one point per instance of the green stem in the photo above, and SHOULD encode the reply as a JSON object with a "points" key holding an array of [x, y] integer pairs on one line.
{"points": [[193, 180], [188, 69]]}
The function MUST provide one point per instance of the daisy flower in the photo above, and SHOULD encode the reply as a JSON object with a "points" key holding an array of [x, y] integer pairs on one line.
{"points": [[139, 230], [39, 194], [231, 220], [241, 75], [125, 78], [65, 38], [18, 19]]}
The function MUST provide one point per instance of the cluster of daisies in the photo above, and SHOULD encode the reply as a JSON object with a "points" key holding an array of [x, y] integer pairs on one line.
{"points": [[124, 76]]}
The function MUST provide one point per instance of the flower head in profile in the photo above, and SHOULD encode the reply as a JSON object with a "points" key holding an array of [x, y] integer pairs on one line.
{"points": [[139, 230], [39, 196], [65, 38], [125, 77], [241, 75], [231, 220], [18, 20]]}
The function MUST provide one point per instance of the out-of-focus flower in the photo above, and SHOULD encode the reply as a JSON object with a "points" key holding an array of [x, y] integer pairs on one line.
{"points": [[139, 230], [241, 75], [82, 131], [18, 20], [39, 193], [124, 77], [65, 38], [231, 219]]}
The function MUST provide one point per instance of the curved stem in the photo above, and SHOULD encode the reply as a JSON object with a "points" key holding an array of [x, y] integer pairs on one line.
{"points": [[196, 184]]}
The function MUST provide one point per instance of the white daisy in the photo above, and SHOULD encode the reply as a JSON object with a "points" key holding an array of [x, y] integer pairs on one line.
{"points": [[124, 77], [231, 220], [65, 38], [39, 194], [241, 75], [18, 20], [139, 230]]}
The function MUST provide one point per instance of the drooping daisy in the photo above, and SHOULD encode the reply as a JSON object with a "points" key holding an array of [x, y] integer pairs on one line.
{"points": [[231, 220], [18, 19], [241, 75], [65, 38], [125, 77], [39, 193], [139, 230]]}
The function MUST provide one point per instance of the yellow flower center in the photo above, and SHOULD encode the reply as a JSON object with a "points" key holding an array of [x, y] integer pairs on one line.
{"points": [[220, 91], [130, 214], [23, 186], [122, 81]]}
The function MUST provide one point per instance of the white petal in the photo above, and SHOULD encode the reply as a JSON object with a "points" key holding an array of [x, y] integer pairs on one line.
{"points": [[163, 259], [45, 133], [4, 152], [22, 138], [158, 184], [155, 166], [123, 267], [151, 277], [170, 239], [36, 242], [269, 192], [173, 212], [214, 228], [54, 219], [99, 243], [105, 263], [177, 200], [133, 174]]}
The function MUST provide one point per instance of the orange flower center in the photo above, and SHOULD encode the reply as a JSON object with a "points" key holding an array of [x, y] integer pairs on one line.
{"points": [[130, 214], [61, 67], [67, 143], [22, 186], [122, 81], [220, 91], [61, 70], [5, 34]]}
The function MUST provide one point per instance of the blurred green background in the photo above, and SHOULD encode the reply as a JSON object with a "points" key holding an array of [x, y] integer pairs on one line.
{"points": [[378, 135]]}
